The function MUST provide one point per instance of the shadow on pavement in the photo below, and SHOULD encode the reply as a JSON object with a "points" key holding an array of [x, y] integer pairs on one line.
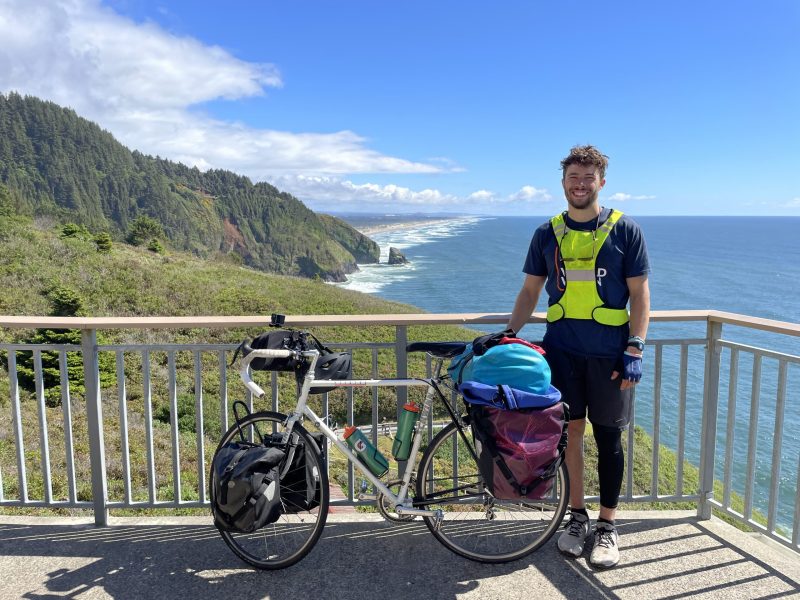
{"points": [[666, 558]]}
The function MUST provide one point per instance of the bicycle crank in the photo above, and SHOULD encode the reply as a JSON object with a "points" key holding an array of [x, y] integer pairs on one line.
{"points": [[385, 507]]}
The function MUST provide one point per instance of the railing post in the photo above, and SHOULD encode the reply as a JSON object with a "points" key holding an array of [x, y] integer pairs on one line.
{"points": [[708, 430], [400, 343], [94, 417]]}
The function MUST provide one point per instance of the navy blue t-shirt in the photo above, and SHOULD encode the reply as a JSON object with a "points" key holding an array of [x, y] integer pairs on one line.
{"points": [[622, 255]]}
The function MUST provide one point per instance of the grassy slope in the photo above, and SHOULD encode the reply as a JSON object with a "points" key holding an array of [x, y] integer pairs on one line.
{"points": [[133, 281]]}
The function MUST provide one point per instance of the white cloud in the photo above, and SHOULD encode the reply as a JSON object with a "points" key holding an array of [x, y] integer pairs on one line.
{"points": [[621, 197], [340, 194], [482, 196], [144, 84], [528, 193], [337, 194], [793, 203]]}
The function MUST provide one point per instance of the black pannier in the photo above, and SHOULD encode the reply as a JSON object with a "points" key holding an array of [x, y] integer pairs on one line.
{"points": [[246, 492]]}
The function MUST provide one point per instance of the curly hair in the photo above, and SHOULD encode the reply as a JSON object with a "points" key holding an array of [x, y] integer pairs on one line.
{"points": [[586, 156]]}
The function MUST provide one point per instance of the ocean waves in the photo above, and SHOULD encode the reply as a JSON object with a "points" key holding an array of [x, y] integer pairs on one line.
{"points": [[407, 237]]}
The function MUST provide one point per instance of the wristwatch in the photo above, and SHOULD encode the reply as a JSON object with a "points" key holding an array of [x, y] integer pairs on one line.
{"points": [[636, 342]]}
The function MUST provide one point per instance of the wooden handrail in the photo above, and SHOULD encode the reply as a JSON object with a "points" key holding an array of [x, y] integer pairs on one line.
{"points": [[217, 322]]}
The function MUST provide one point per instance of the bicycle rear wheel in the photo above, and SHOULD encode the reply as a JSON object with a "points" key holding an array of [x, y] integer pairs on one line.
{"points": [[476, 525], [293, 535]]}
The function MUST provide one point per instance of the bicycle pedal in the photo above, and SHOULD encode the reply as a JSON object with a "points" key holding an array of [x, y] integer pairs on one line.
{"points": [[438, 519]]}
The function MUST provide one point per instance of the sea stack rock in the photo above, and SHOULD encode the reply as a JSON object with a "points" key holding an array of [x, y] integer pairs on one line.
{"points": [[396, 257]]}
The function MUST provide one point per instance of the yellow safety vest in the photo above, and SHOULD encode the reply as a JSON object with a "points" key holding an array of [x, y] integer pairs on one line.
{"points": [[579, 250]]}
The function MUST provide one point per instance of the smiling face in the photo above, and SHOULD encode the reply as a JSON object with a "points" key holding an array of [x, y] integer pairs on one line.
{"points": [[582, 185]]}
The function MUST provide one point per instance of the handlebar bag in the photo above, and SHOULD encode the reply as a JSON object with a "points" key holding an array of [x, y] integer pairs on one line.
{"points": [[274, 340]]}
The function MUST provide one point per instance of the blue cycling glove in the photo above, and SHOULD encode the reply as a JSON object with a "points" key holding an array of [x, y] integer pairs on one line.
{"points": [[631, 366]]}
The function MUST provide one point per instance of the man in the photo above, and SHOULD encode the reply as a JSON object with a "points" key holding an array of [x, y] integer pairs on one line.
{"points": [[592, 261]]}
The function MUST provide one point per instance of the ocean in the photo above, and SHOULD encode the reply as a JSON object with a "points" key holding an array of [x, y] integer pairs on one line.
{"points": [[746, 265]]}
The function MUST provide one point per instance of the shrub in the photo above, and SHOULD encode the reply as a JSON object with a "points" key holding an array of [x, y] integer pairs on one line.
{"points": [[66, 302], [6, 206], [51, 373], [103, 242], [73, 230], [186, 415], [155, 246], [144, 228]]}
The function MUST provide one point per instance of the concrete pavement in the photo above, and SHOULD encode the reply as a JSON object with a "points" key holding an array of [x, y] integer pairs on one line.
{"points": [[665, 555]]}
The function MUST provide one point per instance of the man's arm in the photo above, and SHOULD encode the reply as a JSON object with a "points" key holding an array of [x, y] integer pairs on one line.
{"points": [[639, 291], [526, 301]]}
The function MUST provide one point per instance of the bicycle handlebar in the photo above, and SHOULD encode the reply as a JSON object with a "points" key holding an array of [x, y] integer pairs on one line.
{"points": [[245, 374], [268, 353]]}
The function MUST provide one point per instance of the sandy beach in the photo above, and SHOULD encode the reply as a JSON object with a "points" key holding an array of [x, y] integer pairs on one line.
{"points": [[373, 229]]}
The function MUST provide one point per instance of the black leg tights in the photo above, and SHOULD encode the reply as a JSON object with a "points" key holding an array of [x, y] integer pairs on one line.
{"points": [[610, 464]]}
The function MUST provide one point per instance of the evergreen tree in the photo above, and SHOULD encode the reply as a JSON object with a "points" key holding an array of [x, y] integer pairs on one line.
{"points": [[103, 242], [155, 246], [144, 229], [73, 230], [66, 302], [6, 208]]}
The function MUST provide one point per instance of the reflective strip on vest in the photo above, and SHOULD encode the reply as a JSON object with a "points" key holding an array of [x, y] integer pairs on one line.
{"points": [[579, 250], [581, 275]]}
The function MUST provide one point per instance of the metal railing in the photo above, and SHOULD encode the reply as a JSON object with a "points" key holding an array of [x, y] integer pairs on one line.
{"points": [[175, 398]]}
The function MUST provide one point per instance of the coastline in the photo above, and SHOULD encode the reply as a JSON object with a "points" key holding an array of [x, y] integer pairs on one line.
{"points": [[369, 230]]}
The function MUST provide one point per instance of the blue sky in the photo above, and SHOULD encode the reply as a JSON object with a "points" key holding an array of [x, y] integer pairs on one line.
{"points": [[449, 106]]}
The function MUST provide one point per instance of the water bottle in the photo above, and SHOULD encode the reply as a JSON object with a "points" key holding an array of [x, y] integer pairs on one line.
{"points": [[401, 449], [369, 454]]}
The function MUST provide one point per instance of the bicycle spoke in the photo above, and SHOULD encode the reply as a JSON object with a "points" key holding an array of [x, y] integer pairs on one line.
{"points": [[291, 537], [476, 525]]}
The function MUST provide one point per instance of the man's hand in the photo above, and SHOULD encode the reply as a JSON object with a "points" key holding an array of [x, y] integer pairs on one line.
{"points": [[631, 367]]}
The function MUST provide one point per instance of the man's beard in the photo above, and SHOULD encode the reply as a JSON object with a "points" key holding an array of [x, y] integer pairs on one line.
{"points": [[585, 202]]}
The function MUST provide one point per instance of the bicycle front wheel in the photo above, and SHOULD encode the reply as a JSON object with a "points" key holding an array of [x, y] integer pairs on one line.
{"points": [[476, 525], [293, 535]]}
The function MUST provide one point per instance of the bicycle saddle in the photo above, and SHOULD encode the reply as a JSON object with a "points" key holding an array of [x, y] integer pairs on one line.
{"points": [[438, 349]]}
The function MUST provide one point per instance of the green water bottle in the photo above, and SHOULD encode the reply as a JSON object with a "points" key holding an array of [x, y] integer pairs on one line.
{"points": [[369, 454], [401, 449]]}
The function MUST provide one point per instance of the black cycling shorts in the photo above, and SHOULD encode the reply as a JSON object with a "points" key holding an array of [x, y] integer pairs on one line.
{"points": [[586, 386]]}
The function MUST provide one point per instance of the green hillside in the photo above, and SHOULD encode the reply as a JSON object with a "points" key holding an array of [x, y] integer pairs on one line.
{"points": [[48, 272], [39, 265], [60, 167]]}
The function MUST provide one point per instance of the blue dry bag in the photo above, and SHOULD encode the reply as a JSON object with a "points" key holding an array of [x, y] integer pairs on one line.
{"points": [[460, 368], [514, 365]]}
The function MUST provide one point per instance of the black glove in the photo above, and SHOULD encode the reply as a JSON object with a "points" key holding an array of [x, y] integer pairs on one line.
{"points": [[482, 343]]}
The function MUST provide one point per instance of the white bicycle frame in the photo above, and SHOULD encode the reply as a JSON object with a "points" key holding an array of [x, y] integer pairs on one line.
{"points": [[401, 501]]}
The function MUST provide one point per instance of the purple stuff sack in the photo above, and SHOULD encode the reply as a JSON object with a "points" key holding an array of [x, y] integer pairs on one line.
{"points": [[519, 449]]}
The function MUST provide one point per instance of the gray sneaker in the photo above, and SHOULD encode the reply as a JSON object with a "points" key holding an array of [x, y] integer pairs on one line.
{"points": [[573, 538], [605, 552]]}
